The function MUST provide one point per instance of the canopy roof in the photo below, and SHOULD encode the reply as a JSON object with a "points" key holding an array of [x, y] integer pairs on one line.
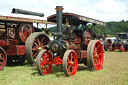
{"points": [[19, 19], [75, 19]]}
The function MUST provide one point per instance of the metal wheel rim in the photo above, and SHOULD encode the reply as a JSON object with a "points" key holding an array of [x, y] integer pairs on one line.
{"points": [[3, 58], [93, 55], [70, 63], [98, 55], [44, 65]]}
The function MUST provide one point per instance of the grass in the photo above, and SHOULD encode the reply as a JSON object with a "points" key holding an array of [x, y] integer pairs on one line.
{"points": [[114, 72]]}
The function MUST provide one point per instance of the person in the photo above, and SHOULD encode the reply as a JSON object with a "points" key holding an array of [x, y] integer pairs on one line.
{"points": [[124, 41], [102, 42]]}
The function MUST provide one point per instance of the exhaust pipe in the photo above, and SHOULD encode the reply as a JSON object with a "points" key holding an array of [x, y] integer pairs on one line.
{"points": [[20, 11], [59, 21]]}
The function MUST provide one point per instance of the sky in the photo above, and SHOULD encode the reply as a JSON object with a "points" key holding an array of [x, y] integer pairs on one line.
{"points": [[104, 10]]}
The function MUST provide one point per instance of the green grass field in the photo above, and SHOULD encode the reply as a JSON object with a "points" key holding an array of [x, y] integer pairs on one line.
{"points": [[114, 72]]}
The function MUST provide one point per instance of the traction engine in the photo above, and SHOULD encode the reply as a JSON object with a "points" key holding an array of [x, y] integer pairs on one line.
{"points": [[119, 43], [13, 34], [70, 47]]}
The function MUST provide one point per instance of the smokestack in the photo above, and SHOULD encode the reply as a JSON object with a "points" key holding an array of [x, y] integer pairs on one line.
{"points": [[59, 21], [20, 11]]}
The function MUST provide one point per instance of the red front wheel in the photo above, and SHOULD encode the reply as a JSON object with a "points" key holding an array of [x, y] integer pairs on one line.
{"points": [[44, 60], [3, 58], [70, 63], [95, 55]]}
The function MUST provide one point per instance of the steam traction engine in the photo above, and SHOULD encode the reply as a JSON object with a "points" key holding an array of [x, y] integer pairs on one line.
{"points": [[70, 47], [119, 43], [13, 34]]}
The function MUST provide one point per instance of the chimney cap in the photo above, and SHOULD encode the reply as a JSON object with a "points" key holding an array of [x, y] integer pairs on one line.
{"points": [[59, 8]]}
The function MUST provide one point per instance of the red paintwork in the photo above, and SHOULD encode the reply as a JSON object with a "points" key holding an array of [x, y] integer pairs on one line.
{"points": [[16, 50], [118, 47], [12, 50], [57, 61], [98, 55], [45, 62], [123, 49], [18, 19], [25, 31], [72, 68], [81, 53], [6, 42], [20, 49], [2, 58]]}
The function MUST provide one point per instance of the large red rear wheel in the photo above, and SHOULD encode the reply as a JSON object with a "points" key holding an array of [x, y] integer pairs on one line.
{"points": [[44, 60], [3, 58], [70, 63], [95, 55], [34, 44]]}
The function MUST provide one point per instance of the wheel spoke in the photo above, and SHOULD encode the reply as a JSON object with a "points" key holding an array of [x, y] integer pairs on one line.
{"points": [[72, 68], [71, 57], [35, 43], [99, 54], [42, 39], [35, 48], [38, 40], [69, 62], [45, 69], [44, 46], [42, 62], [69, 66], [97, 47], [35, 55], [41, 67]]}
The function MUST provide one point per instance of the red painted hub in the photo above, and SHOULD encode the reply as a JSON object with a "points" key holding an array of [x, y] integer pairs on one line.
{"points": [[98, 55]]}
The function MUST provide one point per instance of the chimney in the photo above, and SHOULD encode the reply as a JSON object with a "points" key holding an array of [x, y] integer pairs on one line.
{"points": [[59, 21]]}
